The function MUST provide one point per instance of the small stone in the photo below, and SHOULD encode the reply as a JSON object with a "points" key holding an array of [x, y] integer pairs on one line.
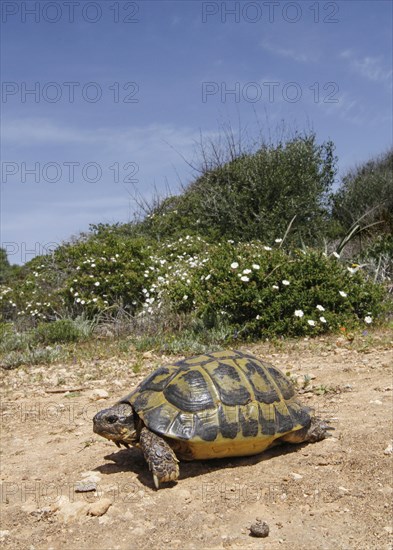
{"points": [[70, 511], [259, 529], [18, 395], [184, 493], [85, 486], [388, 450], [343, 490], [100, 507], [4, 534], [90, 475], [376, 402], [296, 476], [388, 529], [386, 490], [29, 507], [97, 394]]}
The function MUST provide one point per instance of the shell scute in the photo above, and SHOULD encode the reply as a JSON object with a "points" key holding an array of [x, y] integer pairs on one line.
{"points": [[189, 391], [230, 383]]}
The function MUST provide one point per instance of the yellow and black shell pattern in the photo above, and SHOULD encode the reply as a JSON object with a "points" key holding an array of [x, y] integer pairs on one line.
{"points": [[225, 403]]}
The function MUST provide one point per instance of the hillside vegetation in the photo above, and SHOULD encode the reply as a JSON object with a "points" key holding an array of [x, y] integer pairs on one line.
{"points": [[257, 246]]}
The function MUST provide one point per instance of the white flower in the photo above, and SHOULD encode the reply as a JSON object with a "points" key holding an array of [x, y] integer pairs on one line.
{"points": [[267, 247], [244, 278], [368, 319], [83, 302], [97, 283], [285, 282], [93, 265], [185, 297], [258, 317], [321, 308], [311, 323], [342, 293], [276, 287], [95, 299], [234, 265], [352, 270], [207, 277], [256, 266], [299, 313], [278, 241], [78, 300], [323, 320], [336, 255], [246, 271], [76, 294]]}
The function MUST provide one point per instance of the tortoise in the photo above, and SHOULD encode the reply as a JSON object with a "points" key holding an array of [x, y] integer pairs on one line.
{"points": [[225, 403]]}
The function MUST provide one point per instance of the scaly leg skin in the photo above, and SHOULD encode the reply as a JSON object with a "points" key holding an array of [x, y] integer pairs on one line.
{"points": [[316, 431], [161, 459]]}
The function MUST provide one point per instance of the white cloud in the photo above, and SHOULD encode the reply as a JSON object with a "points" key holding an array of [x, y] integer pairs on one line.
{"points": [[287, 52], [369, 67], [43, 131]]}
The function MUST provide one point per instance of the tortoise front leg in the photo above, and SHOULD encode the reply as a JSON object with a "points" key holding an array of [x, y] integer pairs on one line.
{"points": [[161, 459]]}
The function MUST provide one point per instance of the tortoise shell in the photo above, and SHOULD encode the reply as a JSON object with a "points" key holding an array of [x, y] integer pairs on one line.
{"points": [[225, 403]]}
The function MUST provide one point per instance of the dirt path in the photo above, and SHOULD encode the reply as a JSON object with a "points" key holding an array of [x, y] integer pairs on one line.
{"points": [[335, 494]]}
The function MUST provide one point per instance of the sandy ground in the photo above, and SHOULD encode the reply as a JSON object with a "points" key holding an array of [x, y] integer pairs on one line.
{"points": [[335, 494]]}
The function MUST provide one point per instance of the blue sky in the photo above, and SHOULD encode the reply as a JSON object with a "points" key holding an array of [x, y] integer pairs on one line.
{"points": [[123, 90]]}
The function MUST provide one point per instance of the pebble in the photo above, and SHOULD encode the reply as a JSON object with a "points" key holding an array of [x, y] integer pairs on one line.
{"points": [[259, 529], [296, 476], [85, 486], [70, 511], [97, 394], [29, 507], [388, 450], [343, 490], [4, 534], [376, 402], [18, 395], [90, 475], [100, 507]]}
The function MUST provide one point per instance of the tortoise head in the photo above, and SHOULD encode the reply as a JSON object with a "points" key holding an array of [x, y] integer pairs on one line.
{"points": [[116, 424]]}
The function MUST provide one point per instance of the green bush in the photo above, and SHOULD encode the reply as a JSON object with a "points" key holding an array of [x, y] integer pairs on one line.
{"points": [[61, 331], [95, 274], [255, 195], [366, 194], [34, 356], [262, 292]]}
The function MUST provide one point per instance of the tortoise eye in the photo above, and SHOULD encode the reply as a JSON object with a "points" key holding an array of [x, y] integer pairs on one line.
{"points": [[112, 419]]}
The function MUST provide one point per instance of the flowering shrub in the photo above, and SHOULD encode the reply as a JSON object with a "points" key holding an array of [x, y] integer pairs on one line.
{"points": [[252, 289], [263, 291], [86, 277]]}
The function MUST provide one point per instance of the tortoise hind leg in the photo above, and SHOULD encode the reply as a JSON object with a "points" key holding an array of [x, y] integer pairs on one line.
{"points": [[160, 457], [316, 431]]}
